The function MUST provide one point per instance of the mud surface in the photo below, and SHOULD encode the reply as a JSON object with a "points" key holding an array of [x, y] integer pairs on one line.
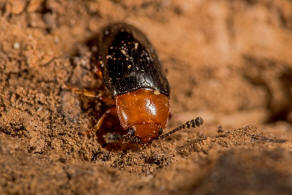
{"points": [[227, 61]]}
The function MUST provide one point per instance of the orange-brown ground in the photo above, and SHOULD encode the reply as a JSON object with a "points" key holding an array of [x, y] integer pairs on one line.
{"points": [[227, 61]]}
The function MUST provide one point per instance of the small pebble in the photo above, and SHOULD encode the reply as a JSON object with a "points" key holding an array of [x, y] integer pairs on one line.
{"points": [[16, 45], [220, 129]]}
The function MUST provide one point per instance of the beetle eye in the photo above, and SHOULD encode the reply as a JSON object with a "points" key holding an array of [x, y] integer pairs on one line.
{"points": [[131, 131]]}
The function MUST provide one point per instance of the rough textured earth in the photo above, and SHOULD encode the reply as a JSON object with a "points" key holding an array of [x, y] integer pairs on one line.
{"points": [[227, 61]]}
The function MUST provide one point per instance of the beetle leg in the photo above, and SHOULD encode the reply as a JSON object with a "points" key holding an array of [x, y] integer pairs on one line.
{"points": [[129, 137], [110, 111], [109, 120], [105, 99], [115, 137], [84, 92]]}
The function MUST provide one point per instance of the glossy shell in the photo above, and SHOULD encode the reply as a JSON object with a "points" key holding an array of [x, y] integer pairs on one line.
{"points": [[144, 111], [129, 61]]}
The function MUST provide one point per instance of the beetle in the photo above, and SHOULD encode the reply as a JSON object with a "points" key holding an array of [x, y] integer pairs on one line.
{"points": [[140, 91]]}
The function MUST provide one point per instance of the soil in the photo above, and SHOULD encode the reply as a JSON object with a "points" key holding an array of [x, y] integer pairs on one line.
{"points": [[229, 62]]}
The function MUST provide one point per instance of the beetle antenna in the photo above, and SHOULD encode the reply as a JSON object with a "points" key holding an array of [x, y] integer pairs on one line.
{"points": [[192, 123]]}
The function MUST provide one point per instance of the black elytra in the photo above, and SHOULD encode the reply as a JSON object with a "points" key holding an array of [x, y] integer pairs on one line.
{"points": [[129, 61]]}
